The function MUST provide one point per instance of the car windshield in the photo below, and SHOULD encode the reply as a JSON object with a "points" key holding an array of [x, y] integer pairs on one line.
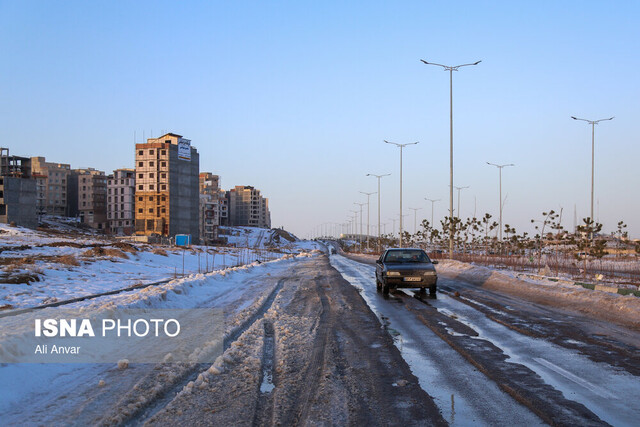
{"points": [[400, 257]]}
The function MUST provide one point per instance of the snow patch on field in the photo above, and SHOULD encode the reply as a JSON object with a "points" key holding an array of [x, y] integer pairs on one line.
{"points": [[39, 267]]}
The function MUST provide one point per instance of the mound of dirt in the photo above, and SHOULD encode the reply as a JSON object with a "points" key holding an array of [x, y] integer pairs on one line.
{"points": [[62, 243], [277, 233]]}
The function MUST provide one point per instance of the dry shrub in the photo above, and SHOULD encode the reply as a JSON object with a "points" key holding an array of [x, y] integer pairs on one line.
{"points": [[67, 260], [17, 279], [113, 252], [127, 247], [16, 262], [104, 252], [159, 251]]}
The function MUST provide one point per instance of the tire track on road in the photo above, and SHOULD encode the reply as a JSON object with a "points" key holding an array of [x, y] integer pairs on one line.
{"points": [[186, 374]]}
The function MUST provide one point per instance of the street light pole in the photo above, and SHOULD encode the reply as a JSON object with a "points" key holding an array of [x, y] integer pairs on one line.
{"points": [[433, 201], [401, 146], [451, 69], [393, 228], [593, 124], [355, 222], [360, 235], [459, 188], [500, 191], [415, 218], [379, 177], [368, 234]]}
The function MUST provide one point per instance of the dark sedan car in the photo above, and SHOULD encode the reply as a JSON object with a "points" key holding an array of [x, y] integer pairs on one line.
{"points": [[406, 268]]}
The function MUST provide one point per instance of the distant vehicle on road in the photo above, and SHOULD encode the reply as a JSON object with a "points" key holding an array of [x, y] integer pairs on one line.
{"points": [[406, 268]]}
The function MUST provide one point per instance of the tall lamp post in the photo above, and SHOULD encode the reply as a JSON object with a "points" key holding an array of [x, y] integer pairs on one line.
{"points": [[379, 177], [433, 201], [415, 219], [360, 235], [451, 69], [355, 222], [459, 188], [593, 124], [393, 227], [401, 146], [500, 191], [368, 234]]}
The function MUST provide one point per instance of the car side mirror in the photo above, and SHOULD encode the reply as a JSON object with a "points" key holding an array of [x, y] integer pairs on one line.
{"points": [[378, 261], [434, 262]]}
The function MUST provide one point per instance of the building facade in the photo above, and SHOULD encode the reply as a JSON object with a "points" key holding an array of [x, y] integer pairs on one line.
{"points": [[52, 181], [167, 181], [248, 208], [209, 183], [209, 207], [92, 197], [121, 201], [17, 191]]}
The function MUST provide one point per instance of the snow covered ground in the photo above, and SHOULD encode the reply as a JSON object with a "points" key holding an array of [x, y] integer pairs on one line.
{"points": [[39, 267], [237, 291]]}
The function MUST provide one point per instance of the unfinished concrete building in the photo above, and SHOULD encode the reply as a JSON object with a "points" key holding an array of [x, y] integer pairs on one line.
{"points": [[121, 187], [17, 191], [52, 180], [92, 197], [209, 207], [248, 208], [209, 183], [167, 196]]}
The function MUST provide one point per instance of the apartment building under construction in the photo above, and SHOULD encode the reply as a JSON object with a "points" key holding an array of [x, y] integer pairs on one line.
{"points": [[167, 196], [247, 207], [17, 191]]}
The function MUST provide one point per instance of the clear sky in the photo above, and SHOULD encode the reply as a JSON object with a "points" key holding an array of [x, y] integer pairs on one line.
{"points": [[295, 98]]}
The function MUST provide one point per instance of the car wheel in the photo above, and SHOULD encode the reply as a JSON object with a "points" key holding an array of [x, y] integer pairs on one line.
{"points": [[422, 293], [378, 285], [385, 289], [432, 290]]}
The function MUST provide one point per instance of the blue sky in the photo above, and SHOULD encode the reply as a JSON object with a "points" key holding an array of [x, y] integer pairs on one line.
{"points": [[296, 98]]}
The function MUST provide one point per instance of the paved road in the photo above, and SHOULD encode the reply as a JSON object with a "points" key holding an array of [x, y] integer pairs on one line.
{"points": [[561, 366]]}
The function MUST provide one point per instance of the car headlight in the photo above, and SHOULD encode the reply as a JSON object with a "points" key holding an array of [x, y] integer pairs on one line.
{"points": [[393, 273], [429, 273]]}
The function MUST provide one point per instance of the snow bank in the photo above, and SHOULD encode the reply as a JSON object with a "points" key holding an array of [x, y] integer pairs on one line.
{"points": [[616, 308]]}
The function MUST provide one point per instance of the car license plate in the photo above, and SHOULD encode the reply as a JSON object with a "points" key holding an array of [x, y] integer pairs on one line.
{"points": [[412, 279]]}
